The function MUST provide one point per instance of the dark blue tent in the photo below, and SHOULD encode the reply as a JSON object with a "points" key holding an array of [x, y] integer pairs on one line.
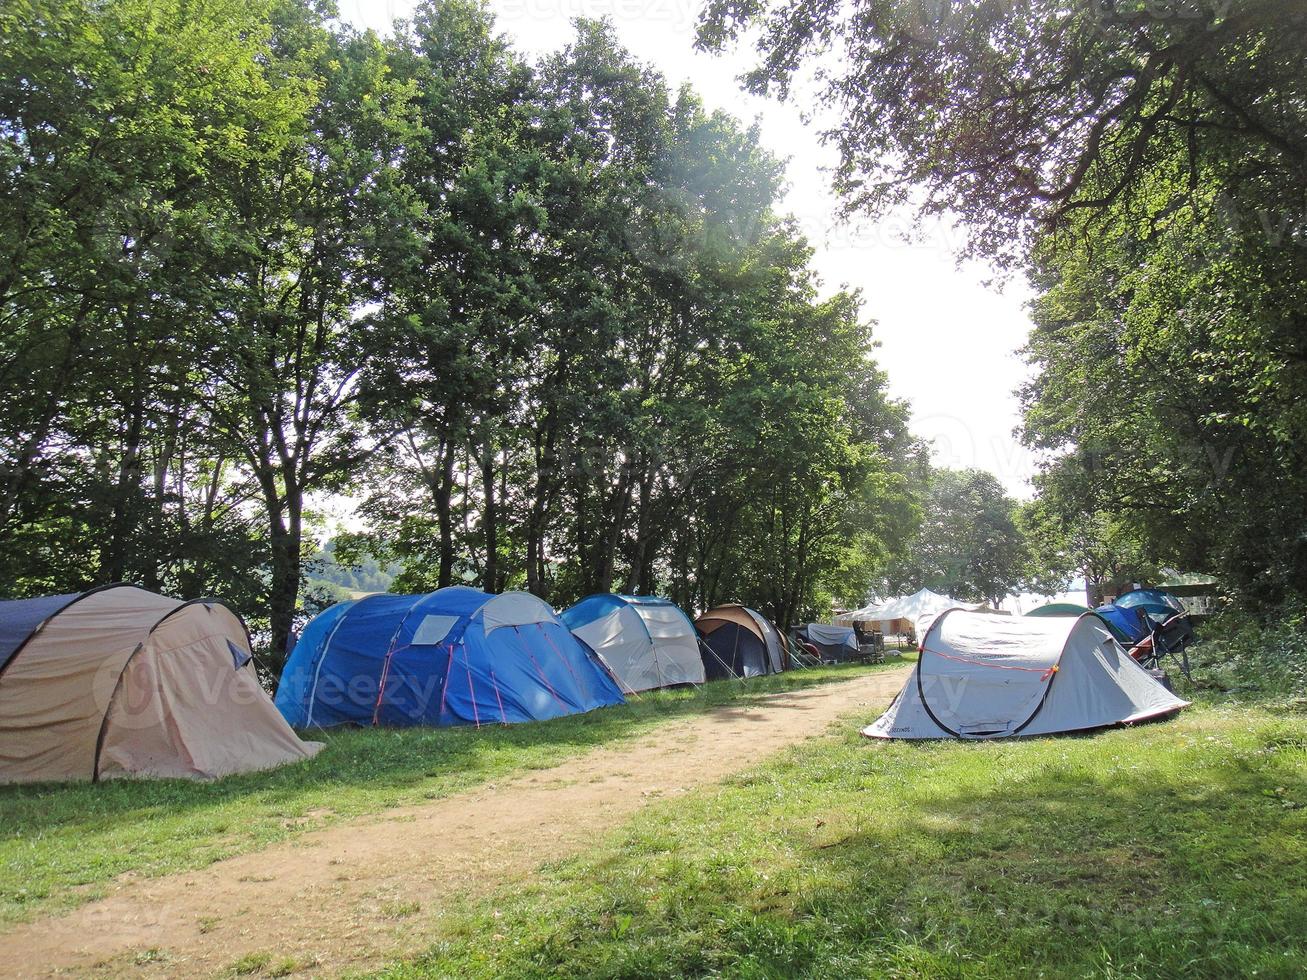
{"points": [[452, 657], [19, 619], [1128, 625]]}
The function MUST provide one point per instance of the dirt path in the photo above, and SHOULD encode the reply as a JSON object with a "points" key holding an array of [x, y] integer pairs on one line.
{"points": [[363, 891]]}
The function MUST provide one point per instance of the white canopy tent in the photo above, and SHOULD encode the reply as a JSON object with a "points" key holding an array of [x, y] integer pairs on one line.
{"points": [[889, 616]]}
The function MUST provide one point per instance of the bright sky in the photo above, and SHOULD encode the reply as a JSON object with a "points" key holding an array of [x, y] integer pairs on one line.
{"points": [[947, 341]]}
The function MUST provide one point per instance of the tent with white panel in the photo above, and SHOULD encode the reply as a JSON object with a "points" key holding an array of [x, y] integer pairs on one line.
{"points": [[647, 642], [451, 657]]}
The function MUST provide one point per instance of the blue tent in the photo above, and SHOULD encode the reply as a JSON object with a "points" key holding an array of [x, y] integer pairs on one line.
{"points": [[1128, 625], [1155, 602], [452, 657]]}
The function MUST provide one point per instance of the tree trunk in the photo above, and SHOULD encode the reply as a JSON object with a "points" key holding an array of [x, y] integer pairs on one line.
{"points": [[535, 529], [621, 502], [287, 530], [443, 492], [113, 562], [490, 518]]}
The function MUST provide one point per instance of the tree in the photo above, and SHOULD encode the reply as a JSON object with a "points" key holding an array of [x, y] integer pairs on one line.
{"points": [[1170, 391], [969, 545], [120, 123], [545, 319], [455, 318], [290, 318], [1017, 115], [1149, 164], [1098, 546]]}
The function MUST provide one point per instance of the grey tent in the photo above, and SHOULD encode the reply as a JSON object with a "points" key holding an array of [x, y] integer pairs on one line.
{"points": [[982, 676], [645, 641], [834, 643]]}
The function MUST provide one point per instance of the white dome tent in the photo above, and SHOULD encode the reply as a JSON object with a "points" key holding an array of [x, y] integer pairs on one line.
{"points": [[981, 677]]}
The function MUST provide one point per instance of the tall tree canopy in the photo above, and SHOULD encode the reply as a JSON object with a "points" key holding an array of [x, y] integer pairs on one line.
{"points": [[1015, 115], [543, 323], [1147, 162]]}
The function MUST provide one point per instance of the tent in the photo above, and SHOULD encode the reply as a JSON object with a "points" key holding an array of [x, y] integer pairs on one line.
{"points": [[1157, 604], [832, 642], [120, 682], [450, 657], [1059, 609], [993, 677], [740, 643], [902, 615], [1128, 625], [646, 642], [867, 614]]}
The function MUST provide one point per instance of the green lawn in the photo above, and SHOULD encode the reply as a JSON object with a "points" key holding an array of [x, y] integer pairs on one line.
{"points": [[59, 844], [1172, 849]]}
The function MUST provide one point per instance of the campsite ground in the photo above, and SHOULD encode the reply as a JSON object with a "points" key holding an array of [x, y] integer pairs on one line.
{"points": [[463, 811], [1171, 849], [60, 844], [1176, 848]]}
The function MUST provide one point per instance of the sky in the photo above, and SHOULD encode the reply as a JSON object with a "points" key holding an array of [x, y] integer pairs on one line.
{"points": [[947, 340]]}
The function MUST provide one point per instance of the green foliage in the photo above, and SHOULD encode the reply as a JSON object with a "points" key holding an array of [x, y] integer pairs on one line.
{"points": [[335, 573], [1013, 116], [119, 124], [1146, 162], [542, 320], [969, 543], [1066, 540], [1171, 389], [1255, 660]]}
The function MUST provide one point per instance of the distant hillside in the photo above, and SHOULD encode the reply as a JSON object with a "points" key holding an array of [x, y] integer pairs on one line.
{"points": [[327, 581]]}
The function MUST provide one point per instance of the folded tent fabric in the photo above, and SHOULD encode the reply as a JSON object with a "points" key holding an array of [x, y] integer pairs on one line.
{"points": [[740, 642], [832, 642], [981, 677], [837, 636], [647, 642], [454, 656], [123, 682]]}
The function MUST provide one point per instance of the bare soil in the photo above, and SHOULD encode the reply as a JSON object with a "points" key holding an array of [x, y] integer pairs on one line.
{"points": [[367, 890]]}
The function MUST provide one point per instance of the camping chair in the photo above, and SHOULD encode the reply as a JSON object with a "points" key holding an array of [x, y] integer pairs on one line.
{"points": [[1169, 638]]}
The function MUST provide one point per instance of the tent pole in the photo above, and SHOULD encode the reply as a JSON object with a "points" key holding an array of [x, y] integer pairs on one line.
{"points": [[727, 667]]}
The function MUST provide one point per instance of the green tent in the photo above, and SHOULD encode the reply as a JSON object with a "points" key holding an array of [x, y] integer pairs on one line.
{"points": [[1059, 609]]}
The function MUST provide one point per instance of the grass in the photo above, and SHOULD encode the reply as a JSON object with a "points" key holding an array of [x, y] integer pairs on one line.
{"points": [[61, 844], [1171, 849]]}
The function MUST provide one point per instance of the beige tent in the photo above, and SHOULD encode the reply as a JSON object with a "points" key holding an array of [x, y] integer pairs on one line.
{"points": [[739, 642], [122, 682]]}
